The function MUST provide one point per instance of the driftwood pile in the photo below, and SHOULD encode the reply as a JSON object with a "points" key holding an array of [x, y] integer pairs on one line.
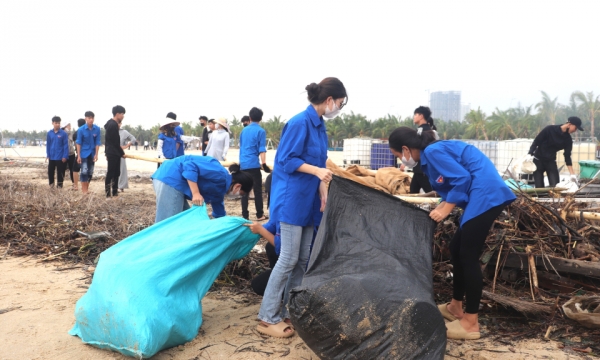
{"points": [[537, 256], [65, 225]]}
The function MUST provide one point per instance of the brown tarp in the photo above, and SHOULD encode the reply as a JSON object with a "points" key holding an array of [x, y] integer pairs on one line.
{"points": [[390, 180]]}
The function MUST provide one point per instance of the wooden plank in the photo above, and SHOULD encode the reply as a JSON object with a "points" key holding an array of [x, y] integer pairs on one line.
{"points": [[419, 200], [566, 266]]}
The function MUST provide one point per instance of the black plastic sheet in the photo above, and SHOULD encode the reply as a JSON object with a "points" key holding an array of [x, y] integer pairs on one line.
{"points": [[368, 290]]}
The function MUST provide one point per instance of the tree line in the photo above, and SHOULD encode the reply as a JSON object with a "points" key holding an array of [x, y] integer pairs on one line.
{"points": [[514, 122]]}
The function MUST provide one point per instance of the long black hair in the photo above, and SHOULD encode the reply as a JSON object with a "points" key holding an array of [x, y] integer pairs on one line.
{"points": [[241, 177], [426, 112], [405, 136]]}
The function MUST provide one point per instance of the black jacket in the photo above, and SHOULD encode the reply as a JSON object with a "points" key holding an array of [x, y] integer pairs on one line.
{"points": [[550, 141], [204, 138], [417, 169], [112, 140]]}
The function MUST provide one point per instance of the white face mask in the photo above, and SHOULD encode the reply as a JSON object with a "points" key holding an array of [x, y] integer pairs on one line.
{"points": [[410, 162], [330, 114], [233, 195]]}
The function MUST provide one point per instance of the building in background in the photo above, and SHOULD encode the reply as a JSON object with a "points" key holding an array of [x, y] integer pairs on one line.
{"points": [[445, 105], [464, 110]]}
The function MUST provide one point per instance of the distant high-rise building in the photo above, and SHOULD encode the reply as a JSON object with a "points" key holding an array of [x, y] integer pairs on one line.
{"points": [[445, 105], [464, 110]]}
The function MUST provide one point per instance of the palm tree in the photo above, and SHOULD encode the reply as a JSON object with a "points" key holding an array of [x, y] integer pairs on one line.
{"points": [[477, 123], [501, 124], [589, 105], [187, 127], [274, 127], [548, 108]]}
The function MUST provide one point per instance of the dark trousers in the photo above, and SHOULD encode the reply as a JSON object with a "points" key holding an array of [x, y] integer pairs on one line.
{"points": [[419, 181], [70, 165], [465, 248], [59, 167], [258, 199], [259, 283], [548, 167], [112, 175]]}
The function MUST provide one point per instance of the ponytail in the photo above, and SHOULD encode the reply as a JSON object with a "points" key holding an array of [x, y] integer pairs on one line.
{"points": [[426, 112], [430, 122], [405, 136], [241, 177]]}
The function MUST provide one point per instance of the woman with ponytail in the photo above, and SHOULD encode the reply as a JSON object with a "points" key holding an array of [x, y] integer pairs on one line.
{"points": [[298, 191], [464, 177], [199, 179]]}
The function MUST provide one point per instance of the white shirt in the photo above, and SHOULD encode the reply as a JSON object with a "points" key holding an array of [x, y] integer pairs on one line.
{"points": [[218, 145]]}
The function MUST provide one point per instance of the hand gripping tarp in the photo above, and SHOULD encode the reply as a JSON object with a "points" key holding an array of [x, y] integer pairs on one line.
{"points": [[146, 291], [368, 290]]}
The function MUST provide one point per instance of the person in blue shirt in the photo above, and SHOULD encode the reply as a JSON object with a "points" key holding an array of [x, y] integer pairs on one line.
{"points": [[169, 141], [253, 141], [199, 179], [179, 131], [299, 186], [88, 143], [57, 152], [464, 177]]}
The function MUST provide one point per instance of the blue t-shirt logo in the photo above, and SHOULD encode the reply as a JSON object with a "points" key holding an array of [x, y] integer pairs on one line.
{"points": [[440, 180]]}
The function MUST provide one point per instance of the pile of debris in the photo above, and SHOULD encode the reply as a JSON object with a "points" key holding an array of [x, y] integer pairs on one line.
{"points": [[70, 226], [540, 256]]}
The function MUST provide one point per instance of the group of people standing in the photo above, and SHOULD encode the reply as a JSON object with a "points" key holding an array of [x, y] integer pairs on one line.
{"points": [[79, 151]]}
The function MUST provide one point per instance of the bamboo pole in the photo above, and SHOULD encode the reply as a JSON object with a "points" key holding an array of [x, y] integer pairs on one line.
{"points": [[586, 215], [532, 272], [157, 160], [419, 200]]}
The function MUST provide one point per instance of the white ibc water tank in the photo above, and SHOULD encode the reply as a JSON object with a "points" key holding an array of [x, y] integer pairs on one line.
{"points": [[580, 151], [357, 151], [509, 151]]}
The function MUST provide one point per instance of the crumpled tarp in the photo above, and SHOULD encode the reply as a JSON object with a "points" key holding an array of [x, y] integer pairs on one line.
{"points": [[388, 179], [146, 291], [368, 289]]}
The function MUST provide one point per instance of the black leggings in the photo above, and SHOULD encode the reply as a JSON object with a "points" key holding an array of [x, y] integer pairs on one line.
{"points": [[465, 248]]}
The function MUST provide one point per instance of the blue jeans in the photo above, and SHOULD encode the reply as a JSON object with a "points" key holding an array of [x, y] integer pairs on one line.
{"points": [[169, 201], [87, 169], [287, 273]]}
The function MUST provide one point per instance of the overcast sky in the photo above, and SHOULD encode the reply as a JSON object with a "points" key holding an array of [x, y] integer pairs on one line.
{"points": [[220, 58]]}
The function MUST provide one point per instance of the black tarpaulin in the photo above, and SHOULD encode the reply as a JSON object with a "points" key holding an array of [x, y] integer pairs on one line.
{"points": [[368, 290]]}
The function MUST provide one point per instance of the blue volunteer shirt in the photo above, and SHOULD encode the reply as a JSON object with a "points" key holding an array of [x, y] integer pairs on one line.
{"points": [[57, 145], [295, 195], [88, 139], [464, 176], [273, 227], [212, 178], [179, 132], [253, 141], [169, 147]]}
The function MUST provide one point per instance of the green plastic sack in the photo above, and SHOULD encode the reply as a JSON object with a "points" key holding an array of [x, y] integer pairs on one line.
{"points": [[147, 289]]}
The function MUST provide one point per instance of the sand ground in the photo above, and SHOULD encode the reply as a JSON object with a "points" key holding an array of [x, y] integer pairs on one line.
{"points": [[37, 302]]}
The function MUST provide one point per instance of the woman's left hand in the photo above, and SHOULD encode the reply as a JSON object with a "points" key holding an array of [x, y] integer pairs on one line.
{"points": [[440, 213]]}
